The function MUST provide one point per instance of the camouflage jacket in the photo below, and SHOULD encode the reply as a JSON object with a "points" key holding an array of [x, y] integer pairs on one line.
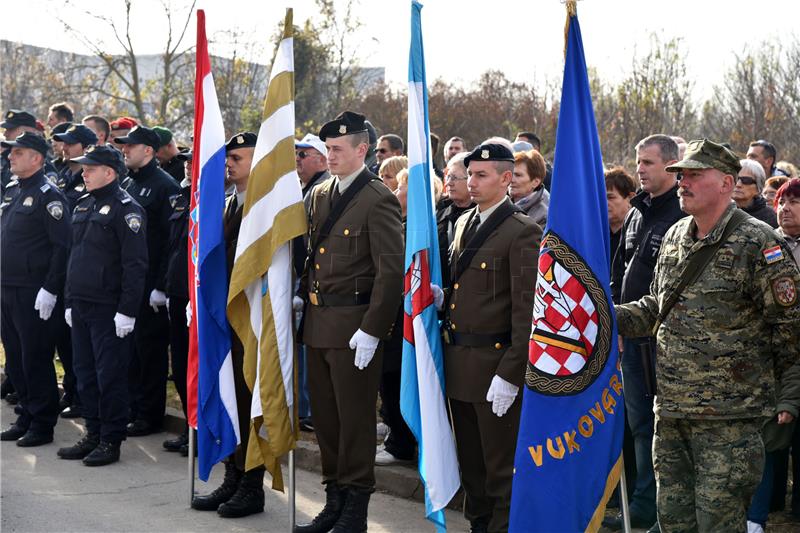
{"points": [[733, 333]]}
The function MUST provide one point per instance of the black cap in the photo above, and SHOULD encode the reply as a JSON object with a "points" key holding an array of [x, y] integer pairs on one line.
{"points": [[141, 135], [77, 133], [15, 118], [184, 156], [61, 127], [31, 140], [102, 155], [346, 123], [489, 152], [245, 139]]}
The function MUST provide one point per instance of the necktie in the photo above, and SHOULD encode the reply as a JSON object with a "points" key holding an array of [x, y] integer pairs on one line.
{"points": [[471, 230], [335, 196]]}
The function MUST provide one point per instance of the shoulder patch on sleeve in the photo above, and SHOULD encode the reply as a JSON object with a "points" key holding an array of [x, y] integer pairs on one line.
{"points": [[784, 291], [45, 186], [56, 209], [773, 255], [134, 221]]}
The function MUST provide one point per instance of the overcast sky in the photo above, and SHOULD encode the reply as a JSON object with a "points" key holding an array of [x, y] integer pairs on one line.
{"points": [[463, 38]]}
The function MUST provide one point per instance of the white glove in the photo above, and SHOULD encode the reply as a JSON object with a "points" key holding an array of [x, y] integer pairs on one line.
{"points": [[501, 394], [157, 299], [68, 316], [45, 302], [188, 314], [438, 296], [297, 304], [124, 325], [365, 345]]}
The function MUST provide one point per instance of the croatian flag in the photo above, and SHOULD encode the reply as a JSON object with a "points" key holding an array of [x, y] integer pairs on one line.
{"points": [[422, 397], [214, 407]]}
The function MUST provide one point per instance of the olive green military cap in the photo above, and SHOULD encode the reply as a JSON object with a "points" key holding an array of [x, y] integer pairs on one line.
{"points": [[703, 153]]}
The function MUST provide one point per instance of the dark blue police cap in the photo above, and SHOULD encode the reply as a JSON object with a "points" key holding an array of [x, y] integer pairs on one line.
{"points": [[77, 133], [184, 156], [15, 118], [141, 135], [245, 139], [30, 140], [346, 123], [61, 127], [102, 155], [489, 152]]}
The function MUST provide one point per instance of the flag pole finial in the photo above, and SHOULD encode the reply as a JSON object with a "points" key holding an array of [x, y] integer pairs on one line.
{"points": [[572, 11]]}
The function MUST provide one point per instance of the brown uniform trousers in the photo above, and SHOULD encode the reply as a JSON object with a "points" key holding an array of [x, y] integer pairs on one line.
{"points": [[492, 297], [362, 259], [232, 221]]}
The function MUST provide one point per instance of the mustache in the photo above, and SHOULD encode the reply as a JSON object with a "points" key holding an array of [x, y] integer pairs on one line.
{"points": [[682, 193]]}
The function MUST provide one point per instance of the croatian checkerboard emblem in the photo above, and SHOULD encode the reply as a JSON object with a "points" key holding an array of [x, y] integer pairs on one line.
{"points": [[56, 209], [134, 222], [571, 334]]}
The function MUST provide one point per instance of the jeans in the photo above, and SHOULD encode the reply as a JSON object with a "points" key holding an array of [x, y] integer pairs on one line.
{"points": [[639, 409], [758, 511]]}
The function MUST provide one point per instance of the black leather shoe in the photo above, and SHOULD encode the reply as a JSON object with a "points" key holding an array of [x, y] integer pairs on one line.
{"points": [[324, 521], [6, 388], [220, 495], [105, 454], [81, 449], [174, 445], [64, 402], [184, 451], [73, 411], [306, 425], [354, 513], [12, 398], [13, 433], [479, 525], [140, 428], [33, 438], [248, 498]]}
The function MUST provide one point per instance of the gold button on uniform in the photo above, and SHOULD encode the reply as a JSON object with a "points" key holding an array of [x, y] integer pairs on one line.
{"points": [[347, 232], [322, 250], [483, 266], [452, 326], [498, 345], [455, 286]]}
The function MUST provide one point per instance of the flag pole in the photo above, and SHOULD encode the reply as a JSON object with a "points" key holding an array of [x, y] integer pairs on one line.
{"points": [[291, 491], [623, 500], [191, 464]]}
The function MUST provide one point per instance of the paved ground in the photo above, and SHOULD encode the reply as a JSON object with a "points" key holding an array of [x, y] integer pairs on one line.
{"points": [[148, 491]]}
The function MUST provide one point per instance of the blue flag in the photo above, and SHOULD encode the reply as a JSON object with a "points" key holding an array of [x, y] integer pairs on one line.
{"points": [[568, 457], [422, 396]]}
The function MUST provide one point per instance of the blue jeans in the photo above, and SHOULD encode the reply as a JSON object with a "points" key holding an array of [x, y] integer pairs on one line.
{"points": [[639, 408], [759, 506], [303, 406]]}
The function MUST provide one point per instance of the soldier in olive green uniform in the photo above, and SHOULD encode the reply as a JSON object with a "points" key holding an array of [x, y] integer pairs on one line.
{"points": [[351, 287], [727, 350], [487, 329]]}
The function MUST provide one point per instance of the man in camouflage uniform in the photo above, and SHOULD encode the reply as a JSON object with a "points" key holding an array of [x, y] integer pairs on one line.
{"points": [[730, 338]]}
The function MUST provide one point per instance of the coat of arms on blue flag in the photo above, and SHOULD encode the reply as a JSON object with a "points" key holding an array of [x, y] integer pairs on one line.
{"points": [[568, 457]]}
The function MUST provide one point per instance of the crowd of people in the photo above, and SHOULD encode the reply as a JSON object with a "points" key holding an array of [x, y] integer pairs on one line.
{"points": [[704, 252]]}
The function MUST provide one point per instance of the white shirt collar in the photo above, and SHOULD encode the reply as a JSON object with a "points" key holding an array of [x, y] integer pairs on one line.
{"points": [[344, 183], [484, 215]]}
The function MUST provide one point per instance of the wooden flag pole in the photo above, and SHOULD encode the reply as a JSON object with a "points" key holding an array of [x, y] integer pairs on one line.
{"points": [[191, 463]]}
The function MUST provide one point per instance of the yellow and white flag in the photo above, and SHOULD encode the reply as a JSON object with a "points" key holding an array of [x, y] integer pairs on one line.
{"points": [[261, 287]]}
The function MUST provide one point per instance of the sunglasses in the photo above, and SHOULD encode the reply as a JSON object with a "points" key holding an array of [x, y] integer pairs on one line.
{"points": [[302, 154], [746, 180], [382, 150]]}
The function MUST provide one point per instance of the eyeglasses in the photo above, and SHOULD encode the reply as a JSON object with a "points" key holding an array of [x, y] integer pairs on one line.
{"points": [[746, 180], [451, 177]]}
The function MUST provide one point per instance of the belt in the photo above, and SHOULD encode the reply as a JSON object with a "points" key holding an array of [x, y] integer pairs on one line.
{"points": [[475, 340], [338, 300]]}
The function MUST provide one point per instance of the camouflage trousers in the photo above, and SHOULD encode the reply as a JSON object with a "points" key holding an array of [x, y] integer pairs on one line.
{"points": [[706, 473]]}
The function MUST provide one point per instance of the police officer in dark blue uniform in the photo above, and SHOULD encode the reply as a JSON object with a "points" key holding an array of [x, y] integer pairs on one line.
{"points": [[35, 244], [70, 179], [177, 290], [15, 122], [105, 284], [59, 161], [152, 188], [75, 139]]}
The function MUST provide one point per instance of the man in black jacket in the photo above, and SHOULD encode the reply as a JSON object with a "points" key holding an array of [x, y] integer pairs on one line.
{"points": [[152, 188], [654, 210]]}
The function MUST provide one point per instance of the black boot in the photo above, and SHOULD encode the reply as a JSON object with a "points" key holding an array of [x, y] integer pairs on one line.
{"points": [[105, 454], [354, 514], [174, 445], [84, 447], [324, 521], [249, 497], [223, 493]]}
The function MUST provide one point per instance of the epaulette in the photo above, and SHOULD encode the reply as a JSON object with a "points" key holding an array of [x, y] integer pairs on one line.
{"points": [[123, 196], [12, 183], [45, 186], [84, 196]]}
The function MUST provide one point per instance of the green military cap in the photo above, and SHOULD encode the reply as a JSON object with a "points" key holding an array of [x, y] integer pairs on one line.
{"points": [[703, 153]]}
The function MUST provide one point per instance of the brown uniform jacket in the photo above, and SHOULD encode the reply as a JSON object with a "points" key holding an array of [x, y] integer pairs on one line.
{"points": [[362, 254], [494, 295]]}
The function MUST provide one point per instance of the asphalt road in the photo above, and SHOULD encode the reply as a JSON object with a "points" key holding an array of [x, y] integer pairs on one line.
{"points": [[147, 491]]}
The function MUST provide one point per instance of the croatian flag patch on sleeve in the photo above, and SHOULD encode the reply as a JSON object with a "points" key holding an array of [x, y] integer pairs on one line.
{"points": [[773, 255]]}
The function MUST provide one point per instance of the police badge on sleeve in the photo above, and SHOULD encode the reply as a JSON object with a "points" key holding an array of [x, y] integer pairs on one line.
{"points": [[134, 222], [56, 209], [570, 339]]}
